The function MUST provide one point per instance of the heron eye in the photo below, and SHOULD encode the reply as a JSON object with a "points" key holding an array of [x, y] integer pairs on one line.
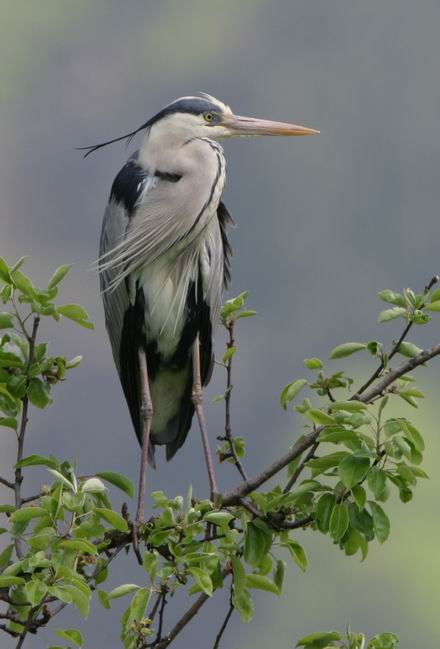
{"points": [[208, 117]]}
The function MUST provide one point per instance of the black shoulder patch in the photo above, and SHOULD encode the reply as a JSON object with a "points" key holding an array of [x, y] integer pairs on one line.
{"points": [[128, 185]]}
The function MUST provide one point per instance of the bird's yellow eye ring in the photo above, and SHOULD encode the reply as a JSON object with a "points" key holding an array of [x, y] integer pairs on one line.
{"points": [[208, 117]]}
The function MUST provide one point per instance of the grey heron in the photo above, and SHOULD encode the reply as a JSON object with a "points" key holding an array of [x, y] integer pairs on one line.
{"points": [[164, 264]]}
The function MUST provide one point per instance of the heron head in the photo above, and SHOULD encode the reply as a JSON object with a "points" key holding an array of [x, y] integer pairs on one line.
{"points": [[206, 116]]}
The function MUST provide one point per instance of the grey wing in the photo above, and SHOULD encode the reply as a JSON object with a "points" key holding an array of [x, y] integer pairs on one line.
{"points": [[124, 317]]}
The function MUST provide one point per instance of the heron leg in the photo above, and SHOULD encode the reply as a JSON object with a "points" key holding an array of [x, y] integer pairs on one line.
{"points": [[197, 399], [146, 418]]}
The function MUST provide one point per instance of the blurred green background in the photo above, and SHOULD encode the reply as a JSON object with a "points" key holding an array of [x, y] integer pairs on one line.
{"points": [[323, 223]]}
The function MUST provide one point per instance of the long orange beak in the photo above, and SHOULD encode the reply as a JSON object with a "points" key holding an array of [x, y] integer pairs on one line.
{"points": [[251, 126]]}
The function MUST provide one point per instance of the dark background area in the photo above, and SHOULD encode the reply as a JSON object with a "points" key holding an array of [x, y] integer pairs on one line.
{"points": [[323, 224]]}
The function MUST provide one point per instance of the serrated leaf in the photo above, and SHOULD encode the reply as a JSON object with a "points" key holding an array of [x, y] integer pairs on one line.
{"points": [[392, 298], [258, 539], [289, 392], [377, 481], [346, 349], [77, 313], [391, 314], [79, 599]]}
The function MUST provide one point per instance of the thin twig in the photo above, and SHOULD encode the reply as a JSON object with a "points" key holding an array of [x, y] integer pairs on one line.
{"points": [[7, 483], [22, 431], [228, 393], [225, 624], [181, 624], [300, 468]]}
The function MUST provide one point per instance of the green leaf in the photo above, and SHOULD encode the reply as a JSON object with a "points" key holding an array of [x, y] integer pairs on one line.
{"points": [[8, 422], [258, 540], [60, 478], [22, 283], [289, 392], [278, 575], [359, 495], [4, 271], [261, 583], [324, 510], [202, 579], [35, 591], [77, 313], [339, 522], [313, 363], [346, 349], [221, 519], [391, 314], [78, 545], [113, 518], [79, 599], [6, 321], [320, 464], [149, 563], [297, 553], [243, 605], [412, 434], [229, 353], [27, 513], [246, 313], [392, 298], [6, 555], [6, 581], [409, 349], [71, 635], [433, 306], [122, 590], [353, 469], [384, 641], [377, 481], [37, 460], [138, 605], [103, 598], [93, 486], [58, 275], [318, 640], [380, 521], [320, 417], [239, 575], [118, 480], [38, 393]]}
